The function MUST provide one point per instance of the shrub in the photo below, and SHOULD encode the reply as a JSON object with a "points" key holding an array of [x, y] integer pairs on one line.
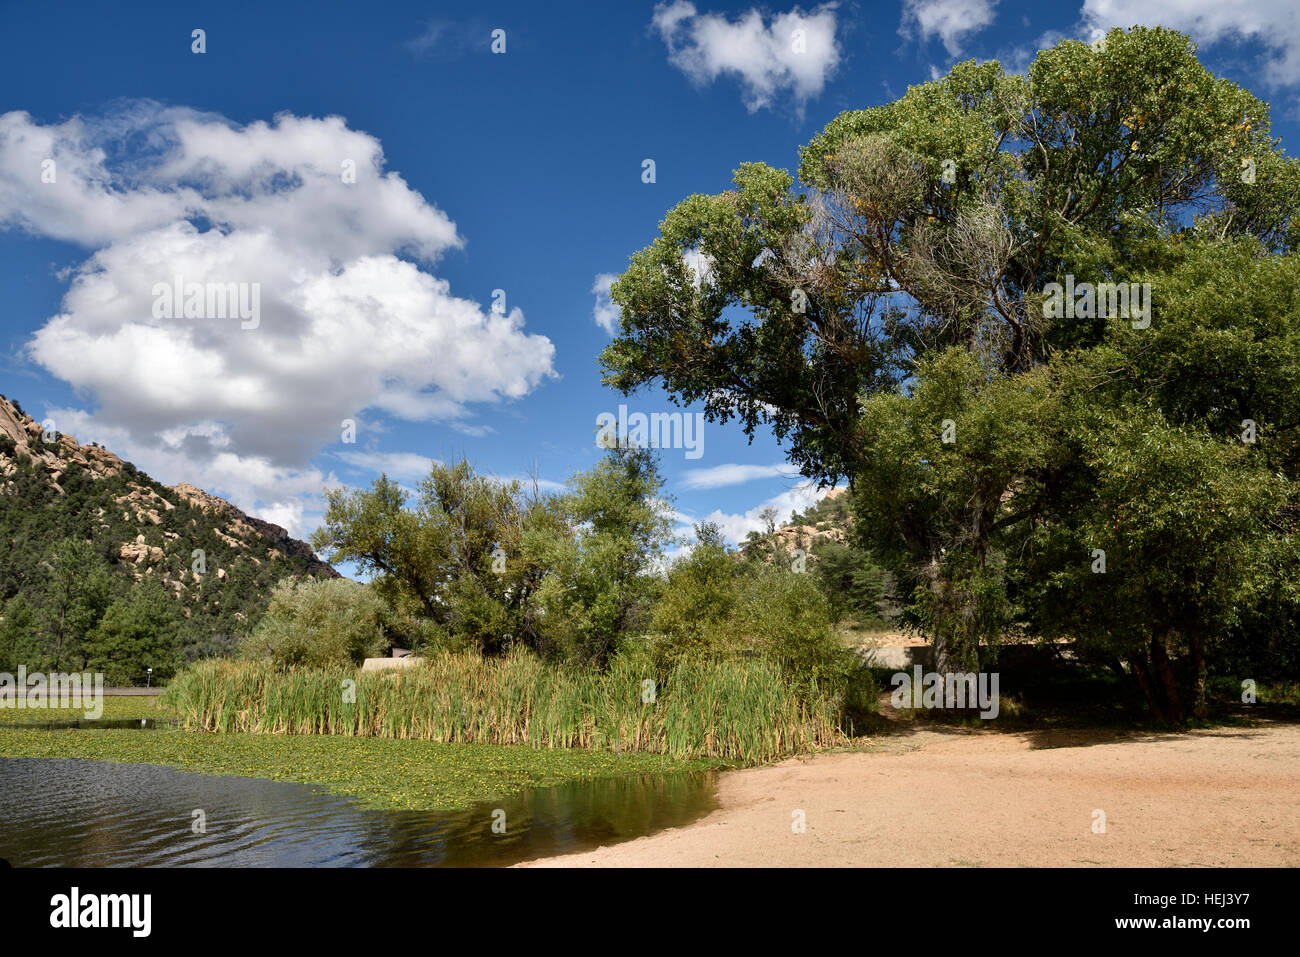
{"points": [[692, 614], [319, 624], [785, 617]]}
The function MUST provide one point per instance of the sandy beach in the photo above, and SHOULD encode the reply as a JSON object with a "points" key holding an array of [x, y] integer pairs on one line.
{"points": [[955, 798]]}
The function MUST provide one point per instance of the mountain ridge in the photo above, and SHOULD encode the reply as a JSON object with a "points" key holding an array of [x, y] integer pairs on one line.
{"points": [[212, 555]]}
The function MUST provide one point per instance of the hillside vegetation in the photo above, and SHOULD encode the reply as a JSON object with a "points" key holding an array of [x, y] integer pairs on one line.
{"points": [[106, 569]]}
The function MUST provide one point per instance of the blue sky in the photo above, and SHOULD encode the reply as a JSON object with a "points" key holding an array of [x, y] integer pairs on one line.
{"points": [[477, 171]]}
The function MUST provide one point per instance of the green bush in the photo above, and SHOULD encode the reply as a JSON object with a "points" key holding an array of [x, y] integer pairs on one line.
{"points": [[492, 565], [319, 624], [696, 603], [599, 587], [785, 617], [714, 607]]}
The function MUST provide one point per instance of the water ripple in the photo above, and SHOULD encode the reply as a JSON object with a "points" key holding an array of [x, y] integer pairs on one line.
{"points": [[71, 812]]}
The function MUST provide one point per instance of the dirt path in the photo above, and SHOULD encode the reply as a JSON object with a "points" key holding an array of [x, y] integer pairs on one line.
{"points": [[952, 798]]}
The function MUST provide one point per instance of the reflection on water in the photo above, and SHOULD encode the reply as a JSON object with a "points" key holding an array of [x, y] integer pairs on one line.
{"points": [[78, 813]]}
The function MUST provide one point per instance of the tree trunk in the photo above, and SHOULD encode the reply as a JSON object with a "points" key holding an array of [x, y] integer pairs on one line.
{"points": [[1164, 672], [943, 661], [58, 641], [1155, 701], [1114, 664], [1199, 673]]}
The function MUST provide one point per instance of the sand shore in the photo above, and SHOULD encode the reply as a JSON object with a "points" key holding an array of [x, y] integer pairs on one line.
{"points": [[950, 798]]}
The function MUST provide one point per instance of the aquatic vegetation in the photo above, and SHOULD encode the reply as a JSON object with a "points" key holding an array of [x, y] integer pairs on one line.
{"points": [[381, 773], [741, 710], [116, 708]]}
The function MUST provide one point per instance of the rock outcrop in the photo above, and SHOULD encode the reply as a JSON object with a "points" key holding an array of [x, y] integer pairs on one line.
{"points": [[181, 536]]}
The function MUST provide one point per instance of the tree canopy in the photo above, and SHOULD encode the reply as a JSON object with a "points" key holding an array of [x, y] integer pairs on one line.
{"points": [[1122, 473]]}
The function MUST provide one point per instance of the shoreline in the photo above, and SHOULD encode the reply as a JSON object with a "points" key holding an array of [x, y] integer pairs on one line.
{"points": [[394, 774], [1210, 798]]}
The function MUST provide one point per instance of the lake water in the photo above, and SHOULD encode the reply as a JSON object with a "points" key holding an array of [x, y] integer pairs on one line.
{"points": [[79, 813]]}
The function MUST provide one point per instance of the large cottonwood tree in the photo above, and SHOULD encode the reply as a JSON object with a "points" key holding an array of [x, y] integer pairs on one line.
{"points": [[892, 297]]}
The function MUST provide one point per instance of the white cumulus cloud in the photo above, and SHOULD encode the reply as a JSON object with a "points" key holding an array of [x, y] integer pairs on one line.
{"points": [[794, 53], [952, 21], [735, 526], [605, 312], [350, 319], [407, 465], [1273, 23]]}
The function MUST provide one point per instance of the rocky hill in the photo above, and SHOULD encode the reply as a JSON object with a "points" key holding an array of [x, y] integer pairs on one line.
{"points": [[829, 520], [218, 562]]}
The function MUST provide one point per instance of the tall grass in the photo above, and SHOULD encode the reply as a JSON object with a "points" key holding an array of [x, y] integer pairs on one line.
{"points": [[740, 710]]}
